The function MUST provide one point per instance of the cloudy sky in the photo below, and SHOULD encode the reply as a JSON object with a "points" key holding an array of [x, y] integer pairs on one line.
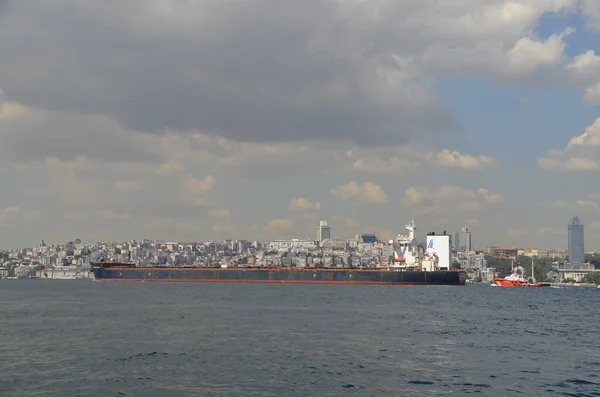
{"points": [[190, 120]]}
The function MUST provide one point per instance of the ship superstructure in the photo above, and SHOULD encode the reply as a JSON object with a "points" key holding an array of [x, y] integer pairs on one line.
{"points": [[409, 254]]}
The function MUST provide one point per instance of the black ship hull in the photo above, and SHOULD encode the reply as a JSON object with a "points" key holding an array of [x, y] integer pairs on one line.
{"points": [[125, 272]]}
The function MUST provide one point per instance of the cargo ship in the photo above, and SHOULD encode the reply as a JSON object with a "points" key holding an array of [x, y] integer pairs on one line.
{"points": [[412, 265]]}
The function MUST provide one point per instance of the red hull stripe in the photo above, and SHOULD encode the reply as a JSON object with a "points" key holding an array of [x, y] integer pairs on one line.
{"points": [[199, 280]]}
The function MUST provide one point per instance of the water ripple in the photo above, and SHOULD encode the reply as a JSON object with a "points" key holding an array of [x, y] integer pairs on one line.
{"points": [[87, 339]]}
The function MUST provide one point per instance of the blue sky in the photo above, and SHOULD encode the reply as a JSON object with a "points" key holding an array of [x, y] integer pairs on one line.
{"points": [[212, 120]]}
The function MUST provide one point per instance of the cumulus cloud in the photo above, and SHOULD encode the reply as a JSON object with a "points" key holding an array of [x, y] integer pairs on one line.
{"points": [[197, 186], [281, 225], [302, 204], [529, 54], [585, 71], [446, 158], [127, 185], [582, 153], [108, 214], [170, 168], [591, 9], [514, 232], [308, 81], [399, 160], [13, 216], [320, 77], [166, 226], [30, 134], [368, 192], [449, 199], [315, 86], [549, 231], [220, 213], [222, 228]]}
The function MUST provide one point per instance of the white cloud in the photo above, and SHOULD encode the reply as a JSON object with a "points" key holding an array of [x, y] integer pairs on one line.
{"points": [[368, 192], [514, 232], [308, 216], [584, 70], [302, 204], [127, 185], [166, 226], [170, 168], [446, 158], [586, 65], [471, 221], [450, 200], [351, 223], [197, 186], [203, 202], [97, 215], [221, 229], [395, 165], [15, 216], [279, 226], [588, 205], [12, 110], [399, 160], [303, 103], [339, 83], [549, 231], [582, 153], [559, 204], [107, 214], [529, 55], [220, 213], [591, 8]]}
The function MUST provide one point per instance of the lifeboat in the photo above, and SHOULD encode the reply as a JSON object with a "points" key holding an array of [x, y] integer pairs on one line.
{"points": [[399, 260]]}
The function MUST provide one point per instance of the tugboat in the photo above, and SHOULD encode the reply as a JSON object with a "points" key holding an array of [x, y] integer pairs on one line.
{"points": [[518, 279]]}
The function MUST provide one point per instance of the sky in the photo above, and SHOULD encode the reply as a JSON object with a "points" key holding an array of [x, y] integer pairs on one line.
{"points": [[188, 121]]}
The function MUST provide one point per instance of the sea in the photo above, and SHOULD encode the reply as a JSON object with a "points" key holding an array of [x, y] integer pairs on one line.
{"points": [[88, 338]]}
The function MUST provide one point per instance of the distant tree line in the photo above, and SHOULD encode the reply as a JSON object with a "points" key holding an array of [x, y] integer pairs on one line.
{"points": [[541, 266], [593, 259]]}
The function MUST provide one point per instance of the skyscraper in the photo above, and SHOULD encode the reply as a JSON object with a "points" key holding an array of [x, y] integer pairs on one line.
{"points": [[462, 240], [323, 231], [576, 251]]}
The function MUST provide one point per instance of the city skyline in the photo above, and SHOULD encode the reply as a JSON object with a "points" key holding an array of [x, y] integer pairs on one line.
{"points": [[460, 241], [206, 120]]}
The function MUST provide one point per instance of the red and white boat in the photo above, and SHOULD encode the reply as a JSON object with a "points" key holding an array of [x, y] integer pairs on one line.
{"points": [[518, 278]]}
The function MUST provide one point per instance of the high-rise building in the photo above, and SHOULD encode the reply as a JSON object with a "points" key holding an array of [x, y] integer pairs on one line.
{"points": [[323, 231], [367, 238], [462, 240], [576, 251]]}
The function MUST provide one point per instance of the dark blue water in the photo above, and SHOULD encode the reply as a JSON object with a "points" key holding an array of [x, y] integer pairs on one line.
{"points": [[85, 338]]}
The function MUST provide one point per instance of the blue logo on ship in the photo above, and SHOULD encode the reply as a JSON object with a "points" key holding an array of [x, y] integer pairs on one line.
{"points": [[430, 245]]}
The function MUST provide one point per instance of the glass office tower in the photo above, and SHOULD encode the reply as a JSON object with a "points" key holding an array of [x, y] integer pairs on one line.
{"points": [[576, 251]]}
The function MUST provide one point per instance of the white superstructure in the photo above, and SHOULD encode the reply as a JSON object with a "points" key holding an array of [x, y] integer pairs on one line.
{"points": [[441, 245], [409, 254]]}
